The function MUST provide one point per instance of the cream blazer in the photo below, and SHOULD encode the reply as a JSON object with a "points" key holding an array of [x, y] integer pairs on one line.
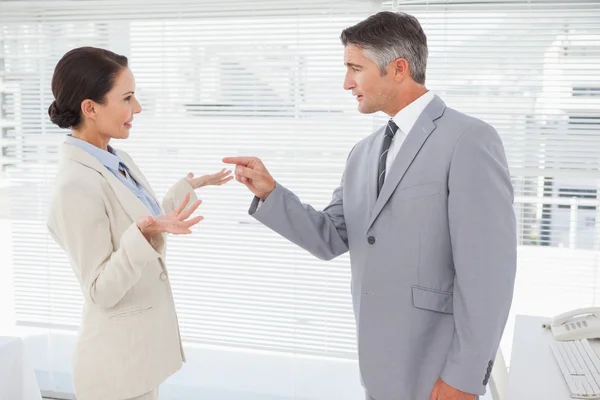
{"points": [[128, 341]]}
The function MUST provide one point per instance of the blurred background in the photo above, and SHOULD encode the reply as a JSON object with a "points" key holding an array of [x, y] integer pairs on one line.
{"points": [[260, 318]]}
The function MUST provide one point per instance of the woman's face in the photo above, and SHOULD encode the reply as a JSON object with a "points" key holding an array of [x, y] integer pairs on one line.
{"points": [[115, 116]]}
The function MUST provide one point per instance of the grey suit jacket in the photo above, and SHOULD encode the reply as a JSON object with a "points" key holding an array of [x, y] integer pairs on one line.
{"points": [[433, 258]]}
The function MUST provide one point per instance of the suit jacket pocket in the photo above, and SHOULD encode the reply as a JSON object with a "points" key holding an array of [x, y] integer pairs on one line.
{"points": [[431, 299], [418, 191], [123, 314]]}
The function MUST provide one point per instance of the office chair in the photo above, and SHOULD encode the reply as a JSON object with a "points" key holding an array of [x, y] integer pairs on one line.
{"points": [[498, 383]]}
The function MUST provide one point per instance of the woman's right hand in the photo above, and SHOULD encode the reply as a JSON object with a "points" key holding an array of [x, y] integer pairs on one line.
{"points": [[175, 222]]}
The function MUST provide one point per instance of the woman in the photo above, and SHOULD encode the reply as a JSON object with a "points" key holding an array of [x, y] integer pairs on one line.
{"points": [[105, 216]]}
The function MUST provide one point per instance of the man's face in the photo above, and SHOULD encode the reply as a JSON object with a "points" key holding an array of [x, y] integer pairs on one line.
{"points": [[363, 77]]}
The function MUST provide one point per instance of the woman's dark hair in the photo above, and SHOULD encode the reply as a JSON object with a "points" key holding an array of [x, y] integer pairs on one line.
{"points": [[82, 73]]}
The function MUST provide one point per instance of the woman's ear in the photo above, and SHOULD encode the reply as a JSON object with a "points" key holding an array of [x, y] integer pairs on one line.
{"points": [[88, 109]]}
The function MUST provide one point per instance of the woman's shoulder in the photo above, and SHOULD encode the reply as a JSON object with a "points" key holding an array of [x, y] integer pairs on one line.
{"points": [[73, 177]]}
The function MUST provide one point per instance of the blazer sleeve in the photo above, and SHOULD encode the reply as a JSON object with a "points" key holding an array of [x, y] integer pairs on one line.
{"points": [[483, 236], [79, 223], [175, 195]]}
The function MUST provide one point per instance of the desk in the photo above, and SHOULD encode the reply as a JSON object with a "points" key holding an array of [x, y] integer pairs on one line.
{"points": [[17, 378], [534, 373]]}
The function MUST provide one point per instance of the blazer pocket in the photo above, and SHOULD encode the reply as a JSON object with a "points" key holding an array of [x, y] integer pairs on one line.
{"points": [[431, 299], [418, 191], [123, 314]]}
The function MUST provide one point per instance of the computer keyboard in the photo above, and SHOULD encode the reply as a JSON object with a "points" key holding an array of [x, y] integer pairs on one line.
{"points": [[580, 366]]}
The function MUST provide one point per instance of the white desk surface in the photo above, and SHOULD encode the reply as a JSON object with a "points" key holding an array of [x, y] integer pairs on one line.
{"points": [[534, 373]]}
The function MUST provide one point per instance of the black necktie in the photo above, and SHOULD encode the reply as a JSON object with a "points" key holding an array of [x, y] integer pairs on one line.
{"points": [[390, 131]]}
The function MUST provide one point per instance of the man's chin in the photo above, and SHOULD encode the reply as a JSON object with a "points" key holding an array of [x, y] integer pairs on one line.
{"points": [[364, 109]]}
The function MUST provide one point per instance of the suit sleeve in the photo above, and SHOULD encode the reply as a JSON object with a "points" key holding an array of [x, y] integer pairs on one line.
{"points": [[321, 233], [78, 222], [483, 236]]}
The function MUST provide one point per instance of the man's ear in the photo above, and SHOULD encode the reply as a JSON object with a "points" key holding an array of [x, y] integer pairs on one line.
{"points": [[400, 69], [88, 109]]}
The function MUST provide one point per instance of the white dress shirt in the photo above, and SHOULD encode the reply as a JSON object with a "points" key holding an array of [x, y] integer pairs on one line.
{"points": [[405, 120]]}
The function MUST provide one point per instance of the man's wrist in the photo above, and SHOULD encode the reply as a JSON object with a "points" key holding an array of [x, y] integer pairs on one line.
{"points": [[264, 197]]}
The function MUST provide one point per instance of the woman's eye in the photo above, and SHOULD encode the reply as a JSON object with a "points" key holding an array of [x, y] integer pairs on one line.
{"points": [[127, 98]]}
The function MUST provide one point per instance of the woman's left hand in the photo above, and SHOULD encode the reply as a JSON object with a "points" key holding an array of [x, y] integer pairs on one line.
{"points": [[218, 179]]}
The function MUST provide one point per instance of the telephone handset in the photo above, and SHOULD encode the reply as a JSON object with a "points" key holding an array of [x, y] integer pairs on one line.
{"points": [[582, 323]]}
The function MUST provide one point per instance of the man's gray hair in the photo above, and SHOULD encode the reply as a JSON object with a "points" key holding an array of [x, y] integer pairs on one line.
{"points": [[388, 35]]}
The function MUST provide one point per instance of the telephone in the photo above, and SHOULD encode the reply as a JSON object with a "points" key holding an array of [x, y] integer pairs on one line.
{"points": [[582, 323]]}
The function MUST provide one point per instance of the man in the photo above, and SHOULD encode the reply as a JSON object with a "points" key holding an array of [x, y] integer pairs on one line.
{"points": [[425, 209]]}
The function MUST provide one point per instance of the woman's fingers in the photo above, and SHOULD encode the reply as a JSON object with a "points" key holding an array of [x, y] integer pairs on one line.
{"points": [[221, 175], [176, 226], [189, 211], [184, 203], [224, 181], [192, 221]]}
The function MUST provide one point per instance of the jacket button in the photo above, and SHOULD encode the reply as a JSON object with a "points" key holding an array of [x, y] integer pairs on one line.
{"points": [[371, 240], [163, 276]]}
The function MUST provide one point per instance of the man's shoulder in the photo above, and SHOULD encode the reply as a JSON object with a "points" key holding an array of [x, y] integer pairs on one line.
{"points": [[461, 122], [457, 127]]}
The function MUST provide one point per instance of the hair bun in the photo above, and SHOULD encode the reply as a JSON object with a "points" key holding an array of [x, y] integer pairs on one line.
{"points": [[64, 119]]}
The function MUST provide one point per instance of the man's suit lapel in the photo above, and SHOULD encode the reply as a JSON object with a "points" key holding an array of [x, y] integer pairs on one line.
{"points": [[413, 143]]}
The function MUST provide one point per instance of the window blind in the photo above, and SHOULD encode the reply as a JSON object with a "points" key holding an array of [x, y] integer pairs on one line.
{"points": [[214, 79], [265, 78], [531, 68]]}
